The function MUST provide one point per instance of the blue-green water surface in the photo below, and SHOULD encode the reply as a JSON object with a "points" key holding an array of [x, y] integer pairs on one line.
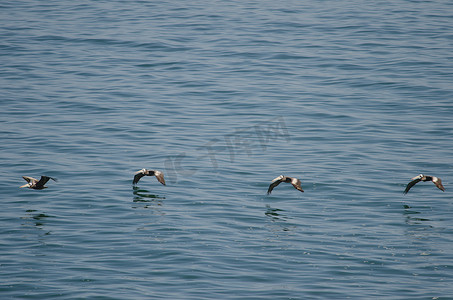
{"points": [[353, 97]]}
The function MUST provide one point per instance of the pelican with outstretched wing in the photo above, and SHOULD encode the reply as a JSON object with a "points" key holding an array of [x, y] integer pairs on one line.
{"points": [[294, 181], [144, 172], [421, 177], [33, 183]]}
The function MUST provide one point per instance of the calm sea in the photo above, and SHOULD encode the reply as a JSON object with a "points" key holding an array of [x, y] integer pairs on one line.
{"points": [[353, 97]]}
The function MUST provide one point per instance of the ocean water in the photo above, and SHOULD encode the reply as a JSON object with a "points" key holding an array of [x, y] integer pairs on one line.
{"points": [[352, 97]]}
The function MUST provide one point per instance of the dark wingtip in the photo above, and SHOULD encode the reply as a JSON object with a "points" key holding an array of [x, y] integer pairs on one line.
{"points": [[406, 190]]}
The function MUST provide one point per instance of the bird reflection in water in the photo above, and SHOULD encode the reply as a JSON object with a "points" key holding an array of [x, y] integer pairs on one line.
{"points": [[413, 217], [144, 196], [274, 214], [35, 219], [277, 225]]}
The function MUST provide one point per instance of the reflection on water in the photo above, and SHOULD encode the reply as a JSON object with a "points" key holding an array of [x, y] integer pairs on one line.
{"points": [[36, 218], [274, 214], [418, 227], [411, 216], [142, 196], [278, 220], [33, 219]]}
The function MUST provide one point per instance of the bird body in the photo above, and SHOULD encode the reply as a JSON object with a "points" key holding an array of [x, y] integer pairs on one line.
{"points": [[436, 180], [294, 181], [144, 172], [36, 184]]}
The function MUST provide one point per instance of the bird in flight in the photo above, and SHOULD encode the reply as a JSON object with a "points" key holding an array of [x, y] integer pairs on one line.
{"points": [[294, 181], [36, 184], [421, 177], [144, 172]]}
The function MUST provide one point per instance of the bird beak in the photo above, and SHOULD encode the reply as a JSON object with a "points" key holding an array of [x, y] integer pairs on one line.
{"points": [[22, 186], [417, 177]]}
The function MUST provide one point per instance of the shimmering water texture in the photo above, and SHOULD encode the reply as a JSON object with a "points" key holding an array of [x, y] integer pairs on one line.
{"points": [[352, 98]]}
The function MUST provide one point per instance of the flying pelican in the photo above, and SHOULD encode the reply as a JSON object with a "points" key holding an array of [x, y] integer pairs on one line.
{"points": [[144, 172], [421, 177], [294, 181], [36, 184]]}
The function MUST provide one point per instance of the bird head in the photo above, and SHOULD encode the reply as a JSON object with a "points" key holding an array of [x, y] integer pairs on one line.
{"points": [[141, 171], [420, 176]]}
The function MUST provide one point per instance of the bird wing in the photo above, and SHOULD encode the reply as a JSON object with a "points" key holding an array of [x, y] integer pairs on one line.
{"points": [[274, 183], [160, 177], [43, 181], [137, 177], [296, 184], [411, 184], [30, 179], [439, 185]]}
